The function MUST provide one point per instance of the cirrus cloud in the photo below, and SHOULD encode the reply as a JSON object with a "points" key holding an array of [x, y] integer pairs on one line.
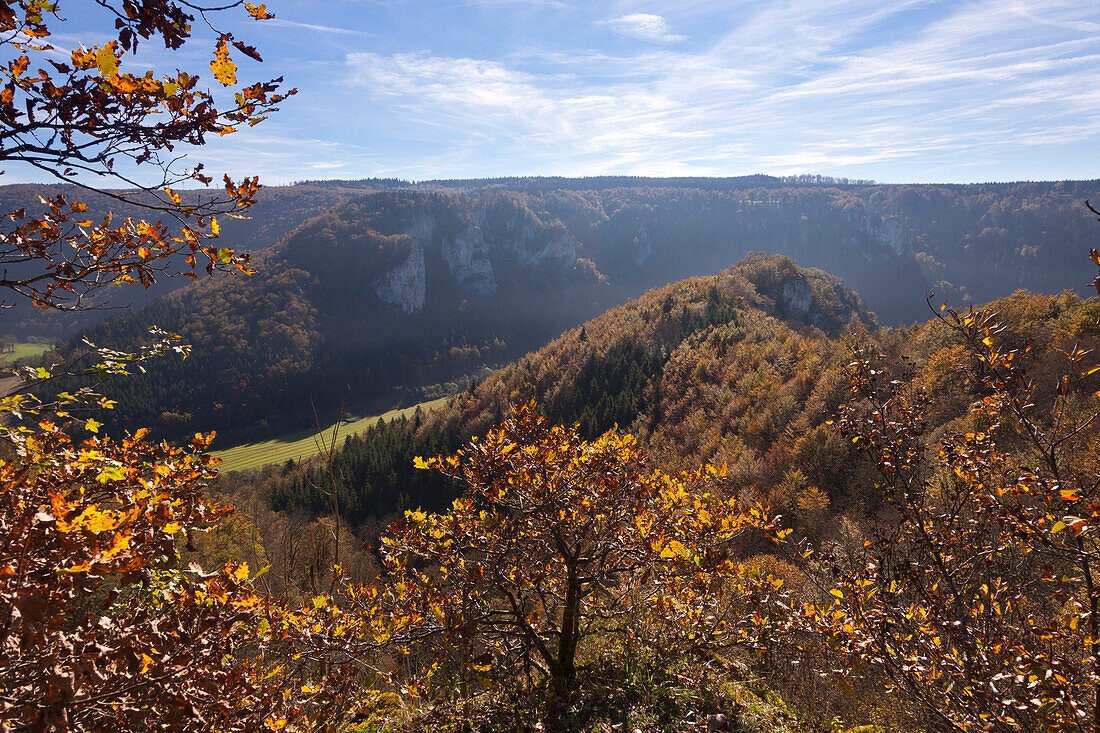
{"points": [[644, 27]]}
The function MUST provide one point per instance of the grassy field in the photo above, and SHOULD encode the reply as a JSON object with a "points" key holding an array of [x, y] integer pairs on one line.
{"points": [[23, 350], [302, 444]]}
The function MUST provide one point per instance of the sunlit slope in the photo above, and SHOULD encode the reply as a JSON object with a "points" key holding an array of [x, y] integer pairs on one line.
{"points": [[305, 444]]}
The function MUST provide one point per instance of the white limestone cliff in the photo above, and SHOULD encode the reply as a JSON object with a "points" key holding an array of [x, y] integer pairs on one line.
{"points": [[469, 257], [405, 285]]}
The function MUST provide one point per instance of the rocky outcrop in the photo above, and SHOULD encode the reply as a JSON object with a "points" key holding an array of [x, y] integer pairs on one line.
{"points": [[467, 258], [475, 256], [889, 232], [563, 248], [405, 285], [802, 297], [795, 298]]}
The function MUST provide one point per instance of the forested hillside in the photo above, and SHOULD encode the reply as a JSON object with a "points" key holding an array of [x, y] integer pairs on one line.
{"points": [[654, 366], [384, 292], [744, 368], [403, 288]]}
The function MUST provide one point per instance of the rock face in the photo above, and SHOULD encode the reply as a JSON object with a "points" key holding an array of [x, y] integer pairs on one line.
{"points": [[795, 298], [404, 285], [467, 257], [477, 251], [798, 296], [563, 248]]}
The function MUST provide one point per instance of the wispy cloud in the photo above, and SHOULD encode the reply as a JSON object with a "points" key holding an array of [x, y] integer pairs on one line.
{"points": [[538, 3], [644, 27], [910, 89], [801, 85], [320, 28]]}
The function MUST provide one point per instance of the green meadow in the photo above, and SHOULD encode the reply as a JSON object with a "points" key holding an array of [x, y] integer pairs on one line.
{"points": [[306, 443], [24, 350]]}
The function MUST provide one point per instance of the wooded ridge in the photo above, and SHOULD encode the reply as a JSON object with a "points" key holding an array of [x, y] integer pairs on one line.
{"points": [[403, 288]]}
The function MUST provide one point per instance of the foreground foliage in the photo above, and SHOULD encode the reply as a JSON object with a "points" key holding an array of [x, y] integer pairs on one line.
{"points": [[973, 596], [101, 628], [84, 118], [556, 540]]}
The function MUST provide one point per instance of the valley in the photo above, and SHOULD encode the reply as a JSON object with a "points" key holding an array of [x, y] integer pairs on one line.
{"points": [[517, 304], [428, 437], [408, 286]]}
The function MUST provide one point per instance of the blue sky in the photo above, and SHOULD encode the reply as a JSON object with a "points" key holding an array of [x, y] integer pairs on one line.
{"points": [[901, 91]]}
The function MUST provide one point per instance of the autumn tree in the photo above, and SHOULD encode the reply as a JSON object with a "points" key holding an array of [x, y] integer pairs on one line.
{"points": [[98, 629], [92, 117], [557, 540], [975, 596], [101, 626]]}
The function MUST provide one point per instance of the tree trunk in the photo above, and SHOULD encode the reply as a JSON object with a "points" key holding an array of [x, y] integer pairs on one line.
{"points": [[564, 673]]}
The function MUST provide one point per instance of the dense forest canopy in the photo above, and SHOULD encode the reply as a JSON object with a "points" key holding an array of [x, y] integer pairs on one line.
{"points": [[711, 369], [428, 284]]}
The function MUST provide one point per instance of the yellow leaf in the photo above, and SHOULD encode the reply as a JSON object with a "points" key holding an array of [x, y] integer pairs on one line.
{"points": [[674, 549], [110, 473], [837, 592], [121, 542], [259, 12], [126, 84], [106, 60], [173, 527], [1058, 527], [275, 724], [241, 573], [146, 663], [92, 425], [225, 71], [215, 228], [988, 340], [94, 520]]}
